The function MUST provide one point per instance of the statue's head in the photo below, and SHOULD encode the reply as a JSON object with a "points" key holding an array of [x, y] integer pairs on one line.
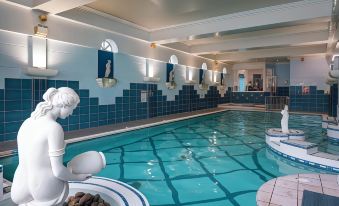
{"points": [[286, 107], [63, 99]]}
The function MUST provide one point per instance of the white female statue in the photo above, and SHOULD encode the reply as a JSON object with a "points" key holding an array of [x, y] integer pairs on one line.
{"points": [[108, 68], [203, 77], [284, 120], [171, 76], [41, 178]]}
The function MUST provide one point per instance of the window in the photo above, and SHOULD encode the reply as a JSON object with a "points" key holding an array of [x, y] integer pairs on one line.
{"points": [[173, 59], [109, 45], [204, 66], [242, 85]]}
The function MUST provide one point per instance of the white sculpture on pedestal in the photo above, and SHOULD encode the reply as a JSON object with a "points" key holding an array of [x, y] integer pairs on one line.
{"points": [[41, 179], [108, 68], [284, 120]]}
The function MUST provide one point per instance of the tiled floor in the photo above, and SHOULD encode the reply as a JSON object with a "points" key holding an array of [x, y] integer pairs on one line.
{"points": [[288, 190]]}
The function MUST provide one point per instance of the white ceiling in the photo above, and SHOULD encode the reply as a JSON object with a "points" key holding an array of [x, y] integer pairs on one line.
{"points": [[265, 40], [222, 30], [155, 14]]}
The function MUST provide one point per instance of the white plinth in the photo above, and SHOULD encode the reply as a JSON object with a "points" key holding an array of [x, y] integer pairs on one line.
{"points": [[112, 191], [275, 134], [171, 85], [203, 86], [151, 79], [106, 82]]}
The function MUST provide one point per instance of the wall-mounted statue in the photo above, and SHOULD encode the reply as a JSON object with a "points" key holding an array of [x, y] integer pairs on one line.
{"points": [[108, 68], [202, 79], [170, 76], [284, 120], [41, 178], [105, 69]]}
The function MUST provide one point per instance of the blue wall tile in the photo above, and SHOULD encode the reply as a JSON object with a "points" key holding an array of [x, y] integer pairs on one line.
{"points": [[83, 93], [61, 83], [12, 83]]}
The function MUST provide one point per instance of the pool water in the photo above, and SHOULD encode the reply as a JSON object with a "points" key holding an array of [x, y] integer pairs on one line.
{"points": [[214, 160]]}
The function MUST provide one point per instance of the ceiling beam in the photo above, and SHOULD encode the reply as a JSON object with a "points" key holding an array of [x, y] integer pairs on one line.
{"points": [[58, 6], [262, 41], [264, 53], [28, 3], [307, 27], [290, 12]]}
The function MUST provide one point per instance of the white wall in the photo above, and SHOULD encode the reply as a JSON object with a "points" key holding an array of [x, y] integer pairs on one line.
{"points": [[312, 71], [72, 50], [80, 63], [22, 20], [282, 71]]}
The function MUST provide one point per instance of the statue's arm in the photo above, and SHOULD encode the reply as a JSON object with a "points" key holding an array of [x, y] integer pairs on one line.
{"points": [[56, 147]]}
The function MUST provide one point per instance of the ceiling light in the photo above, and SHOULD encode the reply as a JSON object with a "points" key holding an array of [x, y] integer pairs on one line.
{"points": [[153, 45], [41, 30]]}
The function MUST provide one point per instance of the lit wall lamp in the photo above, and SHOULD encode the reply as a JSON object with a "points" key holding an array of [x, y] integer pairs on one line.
{"points": [[189, 76], [334, 67], [150, 73], [41, 30], [215, 77], [39, 52], [222, 86]]}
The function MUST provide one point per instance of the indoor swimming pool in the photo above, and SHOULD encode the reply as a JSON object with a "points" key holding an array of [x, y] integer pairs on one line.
{"points": [[214, 160]]}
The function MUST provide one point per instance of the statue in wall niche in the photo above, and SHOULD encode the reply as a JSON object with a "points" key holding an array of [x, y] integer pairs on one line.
{"points": [[171, 76], [41, 178], [284, 120], [108, 68], [203, 77]]}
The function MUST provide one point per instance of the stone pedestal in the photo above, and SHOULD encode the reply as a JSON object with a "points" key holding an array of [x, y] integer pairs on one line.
{"points": [[275, 134]]}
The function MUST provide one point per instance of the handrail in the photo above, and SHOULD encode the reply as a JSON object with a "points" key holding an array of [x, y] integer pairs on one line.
{"points": [[276, 102]]}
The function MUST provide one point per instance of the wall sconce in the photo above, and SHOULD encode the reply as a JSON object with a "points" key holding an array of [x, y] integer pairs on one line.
{"points": [[153, 45], [215, 77], [189, 76], [41, 30], [334, 67], [150, 73], [39, 52]]}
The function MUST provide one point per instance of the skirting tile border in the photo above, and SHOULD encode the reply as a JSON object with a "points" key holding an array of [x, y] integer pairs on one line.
{"points": [[127, 129]]}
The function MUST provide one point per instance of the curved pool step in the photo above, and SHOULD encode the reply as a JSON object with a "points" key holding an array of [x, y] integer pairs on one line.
{"points": [[305, 153]]}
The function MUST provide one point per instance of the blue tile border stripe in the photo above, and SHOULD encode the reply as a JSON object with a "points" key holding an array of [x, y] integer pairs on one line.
{"points": [[305, 162]]}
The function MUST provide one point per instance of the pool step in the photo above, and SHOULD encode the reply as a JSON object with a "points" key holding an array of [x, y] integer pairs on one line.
{"points": [[326, 156]]}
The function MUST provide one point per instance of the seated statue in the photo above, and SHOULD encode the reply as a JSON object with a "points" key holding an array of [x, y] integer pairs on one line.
{"points": [[41, 179]]}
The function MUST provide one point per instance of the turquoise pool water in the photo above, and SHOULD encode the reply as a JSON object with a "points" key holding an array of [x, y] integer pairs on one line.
{"points": [[215, 160]]}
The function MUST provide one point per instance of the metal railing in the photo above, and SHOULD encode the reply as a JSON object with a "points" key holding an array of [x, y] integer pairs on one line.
{"points": [[276, 102]]}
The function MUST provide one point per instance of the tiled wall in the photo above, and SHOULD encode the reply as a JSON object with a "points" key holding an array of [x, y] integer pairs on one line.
{"points": [[283, 91], [315, 101], [249, 97], [20, 97], [333, 100]]}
